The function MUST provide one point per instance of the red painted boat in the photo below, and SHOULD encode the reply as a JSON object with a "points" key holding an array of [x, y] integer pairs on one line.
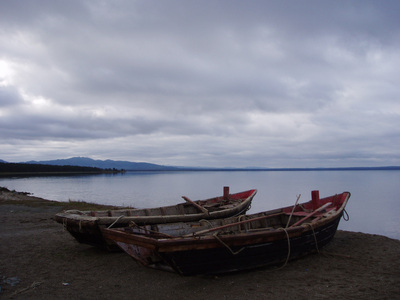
{"points": [[85, 226], [236, 243]]}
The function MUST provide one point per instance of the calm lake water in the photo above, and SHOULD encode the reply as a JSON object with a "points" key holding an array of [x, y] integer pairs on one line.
{"points": [[373, 207]]}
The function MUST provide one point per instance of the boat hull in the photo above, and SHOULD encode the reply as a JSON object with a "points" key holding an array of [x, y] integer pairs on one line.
{"points": [[234, 244], [238, 258], [87, 229]]}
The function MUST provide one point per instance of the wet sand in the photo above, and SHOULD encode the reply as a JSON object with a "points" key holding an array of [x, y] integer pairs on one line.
{"points": [[39, 260]]}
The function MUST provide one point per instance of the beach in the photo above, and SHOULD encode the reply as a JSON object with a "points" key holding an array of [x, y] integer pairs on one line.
{"points": [[40, 260]]}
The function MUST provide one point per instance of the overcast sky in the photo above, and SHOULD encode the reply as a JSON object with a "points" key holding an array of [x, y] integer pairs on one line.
{"points": [[201, 83]]}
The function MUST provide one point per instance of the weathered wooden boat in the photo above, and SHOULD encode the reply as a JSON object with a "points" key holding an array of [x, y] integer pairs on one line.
{"points": [[236, 243], [85, 226]]}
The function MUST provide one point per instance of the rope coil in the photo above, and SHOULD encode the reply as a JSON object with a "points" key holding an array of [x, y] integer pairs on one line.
{"points": [[345, 215]]}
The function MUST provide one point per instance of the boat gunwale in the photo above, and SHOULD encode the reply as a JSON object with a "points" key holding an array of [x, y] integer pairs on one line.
{"points": [[180, 243], [83, 216]]}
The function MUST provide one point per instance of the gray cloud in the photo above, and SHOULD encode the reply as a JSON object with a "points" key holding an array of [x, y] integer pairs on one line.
{"points": [[227, 83]]}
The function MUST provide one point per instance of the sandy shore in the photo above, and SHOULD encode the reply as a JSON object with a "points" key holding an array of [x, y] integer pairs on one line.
{"points": [[39, 260]]}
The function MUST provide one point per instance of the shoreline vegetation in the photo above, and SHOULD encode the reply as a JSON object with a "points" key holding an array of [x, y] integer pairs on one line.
{"points": [[32, 169], [40, 260], [10, 169]]}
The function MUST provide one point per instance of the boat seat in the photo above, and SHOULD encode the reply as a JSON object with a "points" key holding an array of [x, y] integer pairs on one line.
{"points": [[299, 213], [227, 206], [306, 213], [212, 205]]}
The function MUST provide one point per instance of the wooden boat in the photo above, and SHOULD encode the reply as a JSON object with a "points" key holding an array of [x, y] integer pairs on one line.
{"points": [[85, 226], [236, 243]]}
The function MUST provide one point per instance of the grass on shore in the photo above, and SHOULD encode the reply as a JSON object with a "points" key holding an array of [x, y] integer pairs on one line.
{"points": [[23, 198]]}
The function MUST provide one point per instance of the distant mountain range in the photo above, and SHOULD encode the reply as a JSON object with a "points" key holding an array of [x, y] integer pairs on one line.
{"points": [[105, 164], [143, 166]]}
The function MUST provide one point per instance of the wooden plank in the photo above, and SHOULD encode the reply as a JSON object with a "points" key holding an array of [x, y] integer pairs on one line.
{"points": [[195, 205], [233, 224], [311, 214]]}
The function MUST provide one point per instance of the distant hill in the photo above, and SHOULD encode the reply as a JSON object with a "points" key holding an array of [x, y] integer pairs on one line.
{"points": [[143, 166], [105, 164], [36, 169]]}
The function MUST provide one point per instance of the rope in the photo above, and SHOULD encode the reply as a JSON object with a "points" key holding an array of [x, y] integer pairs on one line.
{"points": [[288, 240], [288, 255], [303, 208], [241, 217], [239, 220], [207, 221], [120, 217], [249, 207], [347, 217], [315, 237], [215, 235], [294, 206], [227, 246]]}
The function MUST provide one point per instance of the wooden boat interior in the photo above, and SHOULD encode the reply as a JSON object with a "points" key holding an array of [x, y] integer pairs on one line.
{"points": [[185, 208], [285, 218]]}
